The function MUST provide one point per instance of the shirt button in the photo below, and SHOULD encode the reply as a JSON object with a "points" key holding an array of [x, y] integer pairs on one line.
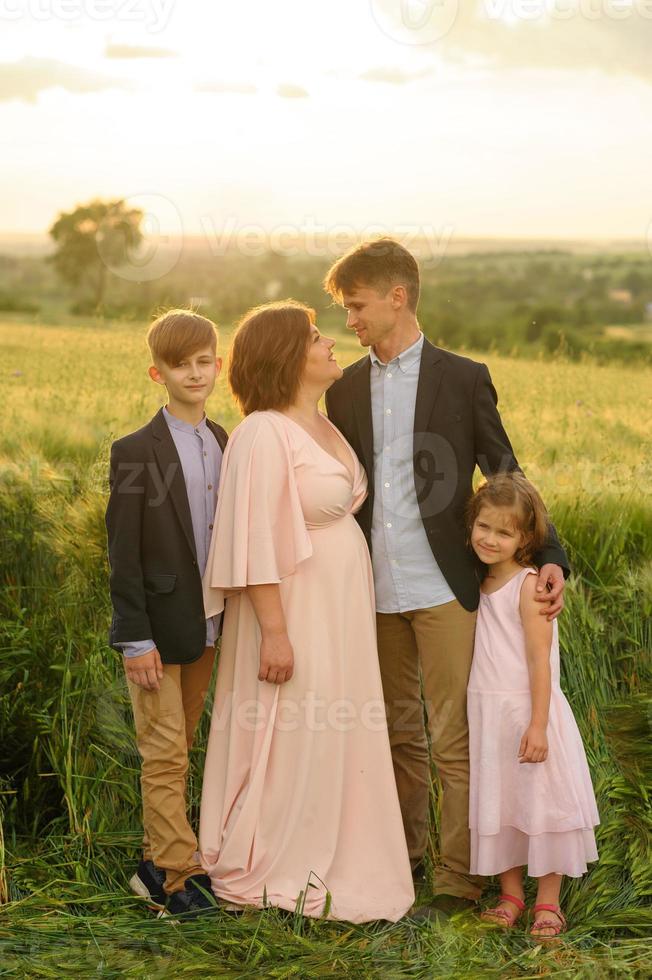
{"points": [[388, 525], [210, 527], [388, 411], [210, 486], [387, 484], [205, 453], [389, 374]]}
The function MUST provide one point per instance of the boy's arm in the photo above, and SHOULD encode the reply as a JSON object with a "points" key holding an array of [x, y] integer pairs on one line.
{"points": [[124, 518], [538, 641]]}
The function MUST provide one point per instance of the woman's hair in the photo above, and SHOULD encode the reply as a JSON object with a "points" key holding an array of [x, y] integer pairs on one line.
{"points": [[178, 334], [514, 492], [268, 355]]}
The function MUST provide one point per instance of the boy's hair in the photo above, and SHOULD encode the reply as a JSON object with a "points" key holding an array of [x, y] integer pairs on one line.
{"points": [[269, 351], [378, 265], [513, 491], [178, 334]]}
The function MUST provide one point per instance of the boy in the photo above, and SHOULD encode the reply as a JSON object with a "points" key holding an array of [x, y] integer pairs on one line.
{"points": [[164, 480]]}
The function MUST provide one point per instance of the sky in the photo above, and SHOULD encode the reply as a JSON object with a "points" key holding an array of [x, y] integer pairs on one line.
{"points": [[501, 118]]}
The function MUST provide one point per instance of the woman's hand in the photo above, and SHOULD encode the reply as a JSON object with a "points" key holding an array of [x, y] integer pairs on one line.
{"points": [[276, 658], [534, 745]]}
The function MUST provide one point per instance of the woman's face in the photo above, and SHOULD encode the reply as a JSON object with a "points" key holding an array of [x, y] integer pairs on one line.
{"points": [[321, 369]]}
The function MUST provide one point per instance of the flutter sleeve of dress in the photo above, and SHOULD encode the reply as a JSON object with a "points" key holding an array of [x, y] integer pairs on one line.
{"points": [[259, 533]]}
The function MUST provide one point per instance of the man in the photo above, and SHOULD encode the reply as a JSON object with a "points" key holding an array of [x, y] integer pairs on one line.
{"points": [[420, 419]]}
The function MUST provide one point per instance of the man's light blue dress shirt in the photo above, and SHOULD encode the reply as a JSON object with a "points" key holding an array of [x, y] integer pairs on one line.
{"points": [[201, 461], [406, 574]]}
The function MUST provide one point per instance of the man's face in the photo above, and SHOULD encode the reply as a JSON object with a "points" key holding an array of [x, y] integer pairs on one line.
{"points": [[372, 314], [191, 380]]}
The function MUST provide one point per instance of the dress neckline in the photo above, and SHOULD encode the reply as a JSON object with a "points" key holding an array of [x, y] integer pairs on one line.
{"points": [[510, 579], [335, 459]]}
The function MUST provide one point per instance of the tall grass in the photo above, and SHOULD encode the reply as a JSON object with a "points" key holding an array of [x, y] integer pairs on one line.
{"points": [[69, 796]]}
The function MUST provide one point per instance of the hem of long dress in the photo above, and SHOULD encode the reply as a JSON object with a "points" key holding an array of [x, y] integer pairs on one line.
{"points": [[337, 913]]}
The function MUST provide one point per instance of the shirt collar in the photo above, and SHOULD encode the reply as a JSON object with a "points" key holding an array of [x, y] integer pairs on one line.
{"points": [[175, 423], [406, 359]]}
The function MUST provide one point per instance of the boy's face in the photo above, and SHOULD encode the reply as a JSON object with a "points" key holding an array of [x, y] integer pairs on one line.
{"points": [[192, 380]]}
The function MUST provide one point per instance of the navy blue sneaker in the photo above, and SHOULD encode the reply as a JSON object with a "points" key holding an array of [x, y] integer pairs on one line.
{"points": [[148, 883], [195, 898]]}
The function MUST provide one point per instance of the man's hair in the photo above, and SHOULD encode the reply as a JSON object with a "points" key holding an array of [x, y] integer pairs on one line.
{"points": [[178, 334], [269, 352], [378, 265], [513, 491]]}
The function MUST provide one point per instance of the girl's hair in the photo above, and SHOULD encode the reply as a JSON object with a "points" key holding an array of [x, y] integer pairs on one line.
{"points": [[513, 491], [269, 352]]}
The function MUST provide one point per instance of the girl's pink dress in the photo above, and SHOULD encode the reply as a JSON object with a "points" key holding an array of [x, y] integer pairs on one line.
{"points": [[299, 798], [536, 814]]}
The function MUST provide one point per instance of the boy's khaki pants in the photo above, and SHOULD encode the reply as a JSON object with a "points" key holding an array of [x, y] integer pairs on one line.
{"points": [[165, 726], [435, 644]]}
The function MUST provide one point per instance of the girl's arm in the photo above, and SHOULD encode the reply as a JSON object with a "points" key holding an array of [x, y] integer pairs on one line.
{"points": [[276, 656], [538, 640]]}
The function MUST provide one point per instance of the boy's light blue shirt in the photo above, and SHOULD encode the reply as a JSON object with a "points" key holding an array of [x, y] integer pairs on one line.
{"points": [[406, 574], [201, 461]]}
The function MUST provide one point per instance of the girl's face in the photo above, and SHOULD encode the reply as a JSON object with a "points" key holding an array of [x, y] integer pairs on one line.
{"points": [[495, 536]]}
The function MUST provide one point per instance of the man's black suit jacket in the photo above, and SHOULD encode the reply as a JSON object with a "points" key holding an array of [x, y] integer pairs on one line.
{"points": [[156, 588], [456, 426]]}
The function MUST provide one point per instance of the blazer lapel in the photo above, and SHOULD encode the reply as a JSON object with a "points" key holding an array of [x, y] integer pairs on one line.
{"points": [[172, 475], [431, 372], [361, 392], [218, 432]]}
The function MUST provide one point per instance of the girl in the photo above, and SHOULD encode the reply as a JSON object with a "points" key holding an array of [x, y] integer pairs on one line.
{"points": [[531, 799]]}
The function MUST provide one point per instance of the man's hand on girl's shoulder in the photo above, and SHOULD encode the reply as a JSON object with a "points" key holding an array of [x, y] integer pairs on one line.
{"points": [[550, 589]]}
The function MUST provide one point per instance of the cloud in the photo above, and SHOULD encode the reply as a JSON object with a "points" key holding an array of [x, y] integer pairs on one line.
{"points": [[227, 88], [24, 79], [137, 51], [291, 92], [392, 76]]}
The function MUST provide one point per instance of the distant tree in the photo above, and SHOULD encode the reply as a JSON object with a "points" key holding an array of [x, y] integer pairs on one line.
{"points": [[92, 239]]}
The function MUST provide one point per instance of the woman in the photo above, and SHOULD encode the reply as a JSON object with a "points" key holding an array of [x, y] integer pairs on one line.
{"points": [[299, 806]]}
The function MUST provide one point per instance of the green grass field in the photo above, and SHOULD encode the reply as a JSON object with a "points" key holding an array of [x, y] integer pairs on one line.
{"points": [[69, 800]]}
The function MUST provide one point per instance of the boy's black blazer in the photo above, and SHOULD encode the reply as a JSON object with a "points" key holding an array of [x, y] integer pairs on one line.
{"points": [[456, 426], [156, 588]]}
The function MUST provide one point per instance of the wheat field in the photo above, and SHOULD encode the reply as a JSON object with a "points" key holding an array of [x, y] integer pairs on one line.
{"points": [[69, 800]]}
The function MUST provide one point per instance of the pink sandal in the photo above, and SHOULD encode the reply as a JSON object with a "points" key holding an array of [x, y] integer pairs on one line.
{"points": [[559, 926], [502, 917]]}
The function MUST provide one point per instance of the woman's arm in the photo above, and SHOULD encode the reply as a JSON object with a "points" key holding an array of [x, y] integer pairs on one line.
{"points": [[538, 640], [276, 656]]}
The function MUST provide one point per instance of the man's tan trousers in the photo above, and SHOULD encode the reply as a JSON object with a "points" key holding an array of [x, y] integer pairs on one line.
{"points": [[435, 644]]}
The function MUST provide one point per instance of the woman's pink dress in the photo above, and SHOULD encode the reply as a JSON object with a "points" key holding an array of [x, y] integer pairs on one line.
{"points": [[536, 814], [299, 806]]}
